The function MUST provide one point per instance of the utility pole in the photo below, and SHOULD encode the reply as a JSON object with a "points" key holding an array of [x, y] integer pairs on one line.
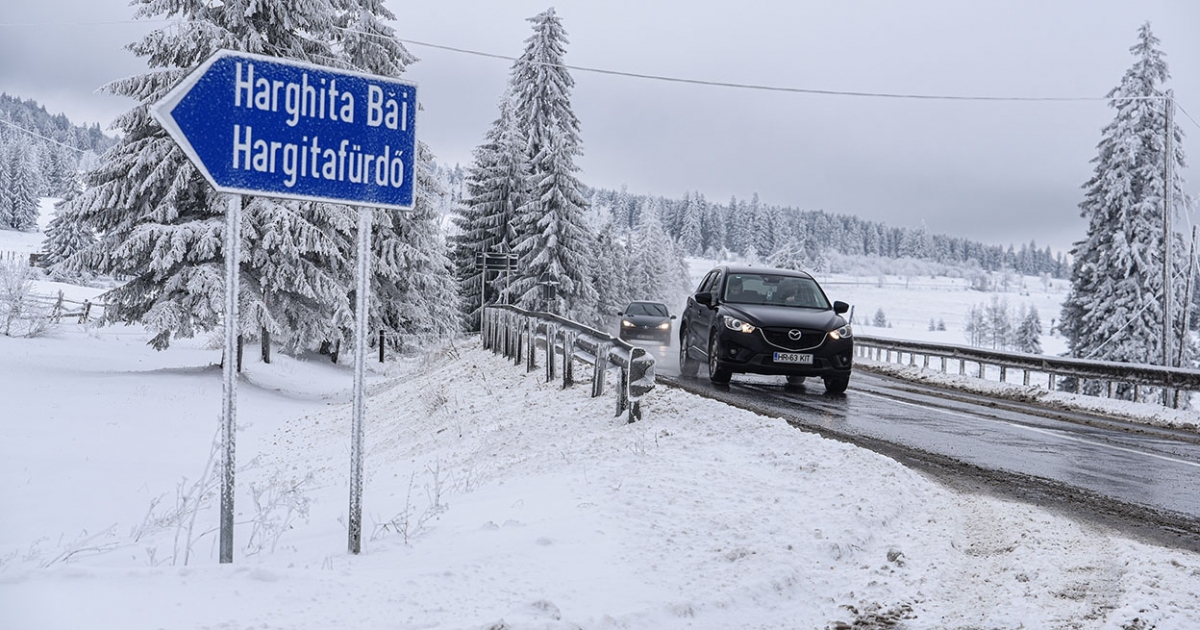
{"points": [[1168, 295]]}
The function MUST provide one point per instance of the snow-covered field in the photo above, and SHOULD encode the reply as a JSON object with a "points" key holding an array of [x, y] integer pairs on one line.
{"points": [[495, 500]]}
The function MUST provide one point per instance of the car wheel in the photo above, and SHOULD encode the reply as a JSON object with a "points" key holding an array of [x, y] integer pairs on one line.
{"points": [[687, 365], [715, 373], [795, 380], [836, 384]]}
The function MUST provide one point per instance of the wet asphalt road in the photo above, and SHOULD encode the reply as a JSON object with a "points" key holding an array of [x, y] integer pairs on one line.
{"points": [[1130, 464]]}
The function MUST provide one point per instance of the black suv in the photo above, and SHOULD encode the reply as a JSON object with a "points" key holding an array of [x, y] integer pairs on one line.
{"points": [[765, 321]]}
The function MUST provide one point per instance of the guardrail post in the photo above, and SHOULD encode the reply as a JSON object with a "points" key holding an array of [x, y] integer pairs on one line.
{"points": [[641, 380], [962, 367], [551, 339], [531, 356], [622, 389], [982, 374], [518, 341], [599, 370], [568, 359], [943, 365], [1003, 372], [1025, 380]]}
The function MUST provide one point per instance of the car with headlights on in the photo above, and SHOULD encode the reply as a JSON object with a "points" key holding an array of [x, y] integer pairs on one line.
{"points": [[766, 321], [646, 320]]}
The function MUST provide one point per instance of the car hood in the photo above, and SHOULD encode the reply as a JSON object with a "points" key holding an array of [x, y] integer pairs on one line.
{"points": [[645, 320], [772, 316]]}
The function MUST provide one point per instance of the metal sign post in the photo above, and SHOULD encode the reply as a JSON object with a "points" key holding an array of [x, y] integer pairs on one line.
{"points": [[362, 302], [233, 239], [273, 127]]}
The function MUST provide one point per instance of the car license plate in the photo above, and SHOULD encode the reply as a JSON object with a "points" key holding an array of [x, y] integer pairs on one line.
{"points": [[792, 357]]}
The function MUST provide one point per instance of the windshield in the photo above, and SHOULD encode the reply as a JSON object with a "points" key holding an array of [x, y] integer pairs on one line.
{"points": [[762, 288], [647, 308]]}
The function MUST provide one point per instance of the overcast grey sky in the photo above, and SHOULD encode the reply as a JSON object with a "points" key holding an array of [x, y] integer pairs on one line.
{"points": [[1003, 173]]}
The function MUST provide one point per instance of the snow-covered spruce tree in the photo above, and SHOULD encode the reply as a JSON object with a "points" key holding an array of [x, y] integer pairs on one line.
{"points": [[65, 235], [612, 268], [1029, 331], [553, 240], [496, 183], [25, 187], [690, 235], [1114, 310], [414, 293], [657, 269], [557, 247], [6, 145], [162, 225]]}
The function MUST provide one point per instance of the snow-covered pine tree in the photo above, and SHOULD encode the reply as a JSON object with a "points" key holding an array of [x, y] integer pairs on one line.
{"points": [[412, 282], [553, 240], [65, 235], [163, 226], [6, 147], [1029, 331], [737, 228], [413, 285], [690, 235], [612, 268], [712, 229], [25, 187], [1114, 310], [496, 183], [557, 247]]}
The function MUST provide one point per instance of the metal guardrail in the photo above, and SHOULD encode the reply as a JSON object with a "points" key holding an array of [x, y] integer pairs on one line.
{"points": [[1110, 373], [516, 333]]}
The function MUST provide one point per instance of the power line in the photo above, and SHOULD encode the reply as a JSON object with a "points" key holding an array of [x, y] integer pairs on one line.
{"points": [[776, 88], [685, 80], [38, 135]]}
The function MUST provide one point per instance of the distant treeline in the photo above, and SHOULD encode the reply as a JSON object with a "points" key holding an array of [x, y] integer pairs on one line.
{"points": [[752, 229]]}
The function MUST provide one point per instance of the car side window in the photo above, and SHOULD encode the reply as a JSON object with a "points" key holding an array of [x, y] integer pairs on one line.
{"points": [[706, 285]]}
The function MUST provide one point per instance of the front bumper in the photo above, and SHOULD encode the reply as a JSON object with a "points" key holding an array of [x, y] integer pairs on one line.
{"points": [[750, 353]]}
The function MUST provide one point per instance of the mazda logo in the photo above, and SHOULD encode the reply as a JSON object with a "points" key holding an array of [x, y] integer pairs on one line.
{"points": [[794, 334]]}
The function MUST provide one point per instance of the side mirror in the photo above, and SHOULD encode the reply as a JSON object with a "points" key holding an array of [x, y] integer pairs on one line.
{"points": [[840, 307], [620, 313], [704, 298], [672, 317]]}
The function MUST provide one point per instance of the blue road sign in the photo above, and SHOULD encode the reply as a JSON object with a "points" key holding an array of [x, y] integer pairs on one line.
{"points": [[274, 127]]}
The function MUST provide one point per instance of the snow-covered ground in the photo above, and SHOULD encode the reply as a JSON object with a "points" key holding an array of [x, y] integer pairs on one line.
{"points": [[496, 500]]}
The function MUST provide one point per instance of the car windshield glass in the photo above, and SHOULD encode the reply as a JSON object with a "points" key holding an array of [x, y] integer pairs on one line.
{"points": [[646, 308], [755, 288]]}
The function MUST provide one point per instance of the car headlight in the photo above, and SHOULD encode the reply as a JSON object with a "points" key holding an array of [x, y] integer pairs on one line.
{"points": [[845, 332], [626, 323], [664, 326], [733, 323]]}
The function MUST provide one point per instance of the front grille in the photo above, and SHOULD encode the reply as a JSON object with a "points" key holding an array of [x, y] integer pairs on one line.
{"points": [[809, 338]]}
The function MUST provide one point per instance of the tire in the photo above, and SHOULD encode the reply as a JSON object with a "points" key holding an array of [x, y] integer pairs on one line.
{"points": [[715, 373], [795, 381], [687, 365], [836, 384]]}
